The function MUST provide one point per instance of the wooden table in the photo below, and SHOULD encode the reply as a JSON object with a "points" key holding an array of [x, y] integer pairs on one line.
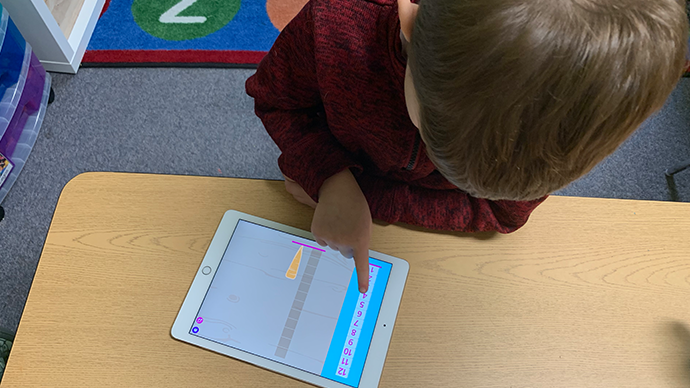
{"points": [[591, 293]]}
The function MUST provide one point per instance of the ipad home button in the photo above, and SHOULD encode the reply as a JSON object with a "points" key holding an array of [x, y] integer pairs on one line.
{"points": [[206, 270]]}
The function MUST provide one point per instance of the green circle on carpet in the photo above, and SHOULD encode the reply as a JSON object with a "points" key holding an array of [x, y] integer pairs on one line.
{"points": [[183, 19]]}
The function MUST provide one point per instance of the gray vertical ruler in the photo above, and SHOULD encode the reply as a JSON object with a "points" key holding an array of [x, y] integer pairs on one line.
{"points": [[298, 304]]}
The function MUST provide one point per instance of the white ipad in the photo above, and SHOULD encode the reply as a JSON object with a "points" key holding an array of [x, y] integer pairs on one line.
{"points": [[267, 294]]}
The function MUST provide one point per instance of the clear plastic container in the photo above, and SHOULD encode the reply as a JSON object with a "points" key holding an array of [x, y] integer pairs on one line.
{"points": [[26, 139], [12, 52], [3, 23], [29, 103], [14, 69]]}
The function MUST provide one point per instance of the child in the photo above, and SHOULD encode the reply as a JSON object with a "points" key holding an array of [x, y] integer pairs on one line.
{"points": [[491, 105]]}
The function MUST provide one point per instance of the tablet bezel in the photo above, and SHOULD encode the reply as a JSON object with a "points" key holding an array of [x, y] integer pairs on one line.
{"points": [[383, 331]]}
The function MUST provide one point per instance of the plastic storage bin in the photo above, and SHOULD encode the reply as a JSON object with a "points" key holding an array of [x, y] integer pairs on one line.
{"points": [[11, 54], [15, 57], [29, 103], [25, 143], [24, 94]]}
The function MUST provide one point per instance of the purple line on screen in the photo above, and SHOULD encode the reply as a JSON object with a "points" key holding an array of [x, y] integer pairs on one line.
{"points": [[309, 246], [374, 265]]}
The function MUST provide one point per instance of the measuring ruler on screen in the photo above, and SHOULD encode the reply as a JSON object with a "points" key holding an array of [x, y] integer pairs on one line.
{"points": [[356, 325]]}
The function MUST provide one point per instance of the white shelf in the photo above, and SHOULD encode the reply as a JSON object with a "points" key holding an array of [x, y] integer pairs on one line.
{"points": [[56, 51], [65, 13]]}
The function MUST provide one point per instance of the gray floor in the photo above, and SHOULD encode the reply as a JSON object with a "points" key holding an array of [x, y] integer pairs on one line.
{"points": [[200, 122]]}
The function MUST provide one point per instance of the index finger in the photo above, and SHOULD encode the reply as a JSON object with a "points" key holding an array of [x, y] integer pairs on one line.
{"points": [[362, 267]]}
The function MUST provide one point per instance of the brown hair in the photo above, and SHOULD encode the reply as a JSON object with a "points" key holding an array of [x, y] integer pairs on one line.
{"points": [[518, 98]]}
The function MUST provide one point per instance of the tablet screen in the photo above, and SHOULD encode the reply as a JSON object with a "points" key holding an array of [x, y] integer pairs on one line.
{"points": [[285, 298]]}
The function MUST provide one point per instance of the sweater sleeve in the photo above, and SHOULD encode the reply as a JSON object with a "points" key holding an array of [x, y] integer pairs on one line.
{"points": [[392, 201], [288, 102]]}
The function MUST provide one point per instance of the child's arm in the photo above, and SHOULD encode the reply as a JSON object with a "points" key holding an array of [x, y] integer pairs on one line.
{"points": [[288, 101], [392, 201]]}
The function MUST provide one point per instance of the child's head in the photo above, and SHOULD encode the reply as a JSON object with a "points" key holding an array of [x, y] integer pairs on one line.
{"points": [[517, 98]]}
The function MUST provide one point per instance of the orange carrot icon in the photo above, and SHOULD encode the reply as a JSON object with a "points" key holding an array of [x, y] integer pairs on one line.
{"points": [[294, 266]]}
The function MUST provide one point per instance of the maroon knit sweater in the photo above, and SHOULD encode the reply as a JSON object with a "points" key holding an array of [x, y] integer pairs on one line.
{"points": [[330, 94]]}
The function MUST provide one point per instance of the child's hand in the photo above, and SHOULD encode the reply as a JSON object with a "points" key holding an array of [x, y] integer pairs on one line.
{"points": [[343, 222]]}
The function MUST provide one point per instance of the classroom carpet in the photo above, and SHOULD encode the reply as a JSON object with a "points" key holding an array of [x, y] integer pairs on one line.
{"points": [[201, 33], [200, 122]]}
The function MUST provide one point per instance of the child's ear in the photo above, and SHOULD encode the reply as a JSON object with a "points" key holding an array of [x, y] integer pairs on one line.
{"points": [[407, 11]]}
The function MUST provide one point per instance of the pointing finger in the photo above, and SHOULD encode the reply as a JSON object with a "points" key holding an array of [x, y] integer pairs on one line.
{"points": [[362, 267]]}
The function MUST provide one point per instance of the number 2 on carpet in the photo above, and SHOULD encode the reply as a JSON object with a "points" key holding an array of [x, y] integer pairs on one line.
{"points": [[178, 20], [171, 15]]}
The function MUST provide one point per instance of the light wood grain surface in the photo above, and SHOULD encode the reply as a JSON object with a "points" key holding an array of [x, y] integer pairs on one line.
{"points": [[591, 293], [65, 13]]}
